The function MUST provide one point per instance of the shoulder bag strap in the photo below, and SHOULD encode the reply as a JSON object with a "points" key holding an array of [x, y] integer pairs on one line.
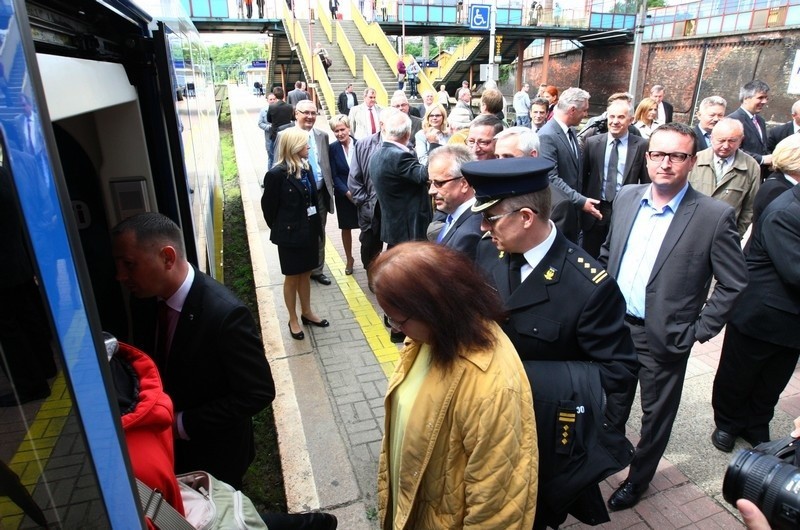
{"points": [[155, 508]]}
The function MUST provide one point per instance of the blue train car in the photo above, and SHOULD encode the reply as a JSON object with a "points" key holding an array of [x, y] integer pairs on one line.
{"points": [[91, 131]]}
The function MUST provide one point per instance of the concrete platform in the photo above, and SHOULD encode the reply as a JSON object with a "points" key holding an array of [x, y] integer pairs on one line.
{"points": [[329, 409]]}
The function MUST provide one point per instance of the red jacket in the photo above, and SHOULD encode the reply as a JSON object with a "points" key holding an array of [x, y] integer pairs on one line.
{"points": [[148, 429]]}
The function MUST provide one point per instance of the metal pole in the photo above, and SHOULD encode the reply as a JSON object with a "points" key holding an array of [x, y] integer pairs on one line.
{"points": [[403, 38], [637, 47], [492, 16]]}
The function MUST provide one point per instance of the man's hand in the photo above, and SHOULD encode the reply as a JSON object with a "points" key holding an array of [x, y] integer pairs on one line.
{"points": [[753, 518], [766, 160], [590, 208]]}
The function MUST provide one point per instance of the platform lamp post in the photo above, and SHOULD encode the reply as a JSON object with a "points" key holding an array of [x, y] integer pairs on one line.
{"points": [[637, 45], [403, 23]]}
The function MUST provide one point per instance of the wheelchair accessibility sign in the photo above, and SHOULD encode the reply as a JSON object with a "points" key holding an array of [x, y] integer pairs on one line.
{"points": [[479, 17]]}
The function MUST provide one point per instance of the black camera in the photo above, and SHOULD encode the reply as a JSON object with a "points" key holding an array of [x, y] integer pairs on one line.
{"points": [[767, 475]]}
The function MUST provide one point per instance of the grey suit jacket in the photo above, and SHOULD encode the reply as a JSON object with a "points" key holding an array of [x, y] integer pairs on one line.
{"points": [[360, 124], [701, 242], [567, 174], [465, 233]]}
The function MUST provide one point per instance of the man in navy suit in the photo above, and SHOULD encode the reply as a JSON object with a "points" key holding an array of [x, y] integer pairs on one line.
{"points": [[453, 196], [665, 244], [709, 112], [204, 342], [780, 132], [754, 97]]}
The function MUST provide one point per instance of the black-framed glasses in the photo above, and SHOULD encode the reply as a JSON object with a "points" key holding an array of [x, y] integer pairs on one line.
{"points": [[483, 143], [308, 113], [491, 220], [440, 183], [674, 158], [396, 324]]}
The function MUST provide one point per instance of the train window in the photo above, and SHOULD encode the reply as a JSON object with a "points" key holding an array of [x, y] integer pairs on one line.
{"points": [[46, 471]]}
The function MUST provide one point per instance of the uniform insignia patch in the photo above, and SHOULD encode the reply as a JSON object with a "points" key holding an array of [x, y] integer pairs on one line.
{"points": [[550, 274]]}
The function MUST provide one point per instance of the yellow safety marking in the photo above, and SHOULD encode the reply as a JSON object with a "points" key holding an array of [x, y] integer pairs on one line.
{"points": [[371, 322]]}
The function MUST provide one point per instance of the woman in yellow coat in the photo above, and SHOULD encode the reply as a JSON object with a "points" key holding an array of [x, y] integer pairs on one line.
{"points": [[459, 447]]}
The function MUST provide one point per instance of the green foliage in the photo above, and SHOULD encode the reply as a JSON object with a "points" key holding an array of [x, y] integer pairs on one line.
{"points": [[230, 57], [632, 6], [505, 72]]}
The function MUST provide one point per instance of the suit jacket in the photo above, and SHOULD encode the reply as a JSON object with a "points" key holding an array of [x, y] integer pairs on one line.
{"points": [[667, 111], [296, 95], [769, 309], [776, 134], [593, 168], [753, 144], [567, 309], [325, 194], [360, 184], [401, 186], [563, 214], [700, 140], [279, 114], [216, 374], [416, 126], [567, 174], [339, 166], [465, 233], [342, 102], [701, 242], [285, 209], [360, 125], [738, 187], [770, 190]]}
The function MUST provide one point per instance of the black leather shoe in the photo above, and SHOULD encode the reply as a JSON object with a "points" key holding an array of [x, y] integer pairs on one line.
{"points": [[723, 440], [626, 496], [308, 322], [321, 278], [296, 336]]}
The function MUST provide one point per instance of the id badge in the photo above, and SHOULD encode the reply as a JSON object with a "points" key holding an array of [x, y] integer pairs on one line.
{"points": [[312, 210]]}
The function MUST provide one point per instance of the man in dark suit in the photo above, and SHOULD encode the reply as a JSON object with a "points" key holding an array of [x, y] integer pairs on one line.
{"points": [[610, 161], [664, 108], [347, 100], [709, 112], [754, 97], [359, 182], [401, 184], [761, 346], [298, 94], [204, 342], [454, 197], [521, 142], [559, 143], [562, 305], [665, 244], [776, 134], [279, 115]]}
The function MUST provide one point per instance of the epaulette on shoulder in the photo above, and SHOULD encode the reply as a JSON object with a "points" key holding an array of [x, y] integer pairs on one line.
{"points": [[590, 268]]}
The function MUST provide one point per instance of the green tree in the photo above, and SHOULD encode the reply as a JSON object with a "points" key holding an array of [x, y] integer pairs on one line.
{"points": [[229, 57], [631, 6]]}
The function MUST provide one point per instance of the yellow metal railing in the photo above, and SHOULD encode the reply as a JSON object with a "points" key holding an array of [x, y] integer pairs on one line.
{"points": [[325, 19], [423, 81], [374, 81], [346, 48], [446, 63]]}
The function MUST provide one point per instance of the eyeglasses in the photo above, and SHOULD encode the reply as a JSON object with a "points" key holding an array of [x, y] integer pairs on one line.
{"points": [[494, 218], [483, 143], [396, 324], [674, 158], [309, 113], [435, 116], [440, 183]]}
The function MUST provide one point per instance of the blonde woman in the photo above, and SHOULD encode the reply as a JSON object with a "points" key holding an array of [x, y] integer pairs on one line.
{"points": [[435, 131], [645, 117], [340, 153], [289, 206]]}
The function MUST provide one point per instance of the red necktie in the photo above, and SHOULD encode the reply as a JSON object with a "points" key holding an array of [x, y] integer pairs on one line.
{"points": [[372, 120]]}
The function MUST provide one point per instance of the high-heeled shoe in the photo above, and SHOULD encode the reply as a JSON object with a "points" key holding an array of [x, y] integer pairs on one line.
{"points": [[296, 336], [320, 324], [348, 270]]}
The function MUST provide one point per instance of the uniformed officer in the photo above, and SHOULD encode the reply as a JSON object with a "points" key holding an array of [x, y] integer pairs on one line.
{"points": [[562, 305]]}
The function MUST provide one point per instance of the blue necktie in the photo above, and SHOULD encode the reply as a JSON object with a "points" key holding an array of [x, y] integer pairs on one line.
{"points": [[447, 224], [313, 160]]}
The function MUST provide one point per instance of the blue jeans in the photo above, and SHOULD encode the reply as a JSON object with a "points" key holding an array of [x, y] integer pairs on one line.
{"points": [[524, 120]]}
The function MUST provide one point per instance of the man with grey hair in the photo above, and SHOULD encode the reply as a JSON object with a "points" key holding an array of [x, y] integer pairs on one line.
{"points": [[400, 102], [522, 106], [780, 132], [453, 196], [727, 173], [664, 109], [401, 184], [709, 112], [521, 142], [560, 145], [364, 118], [464, 100], [754, 97]]}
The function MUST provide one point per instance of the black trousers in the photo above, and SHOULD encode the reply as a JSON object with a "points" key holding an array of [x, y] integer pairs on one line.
{"points": [[595, 236], [371, 245], [752, 374]]}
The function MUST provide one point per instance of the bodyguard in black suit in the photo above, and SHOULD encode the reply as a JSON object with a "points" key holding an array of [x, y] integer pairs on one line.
{"points": [[614, 153], [204, 342], [562, 305], [776, 134], [664, 107], [761, 346], [754, 97]]}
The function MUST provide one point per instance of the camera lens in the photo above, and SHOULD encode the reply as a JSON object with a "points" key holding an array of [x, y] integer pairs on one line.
{"points": [[769, 482]]}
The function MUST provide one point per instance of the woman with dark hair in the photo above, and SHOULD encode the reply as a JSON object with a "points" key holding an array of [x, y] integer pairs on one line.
{"points": [[459, 446]]}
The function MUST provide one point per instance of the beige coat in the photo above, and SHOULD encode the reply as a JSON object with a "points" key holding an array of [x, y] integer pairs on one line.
{"points": [[470, 456], [738, 186]]}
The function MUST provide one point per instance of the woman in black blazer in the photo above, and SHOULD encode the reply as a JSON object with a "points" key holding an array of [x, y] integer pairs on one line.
{"points": [[341, 153], [289, 206]]}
